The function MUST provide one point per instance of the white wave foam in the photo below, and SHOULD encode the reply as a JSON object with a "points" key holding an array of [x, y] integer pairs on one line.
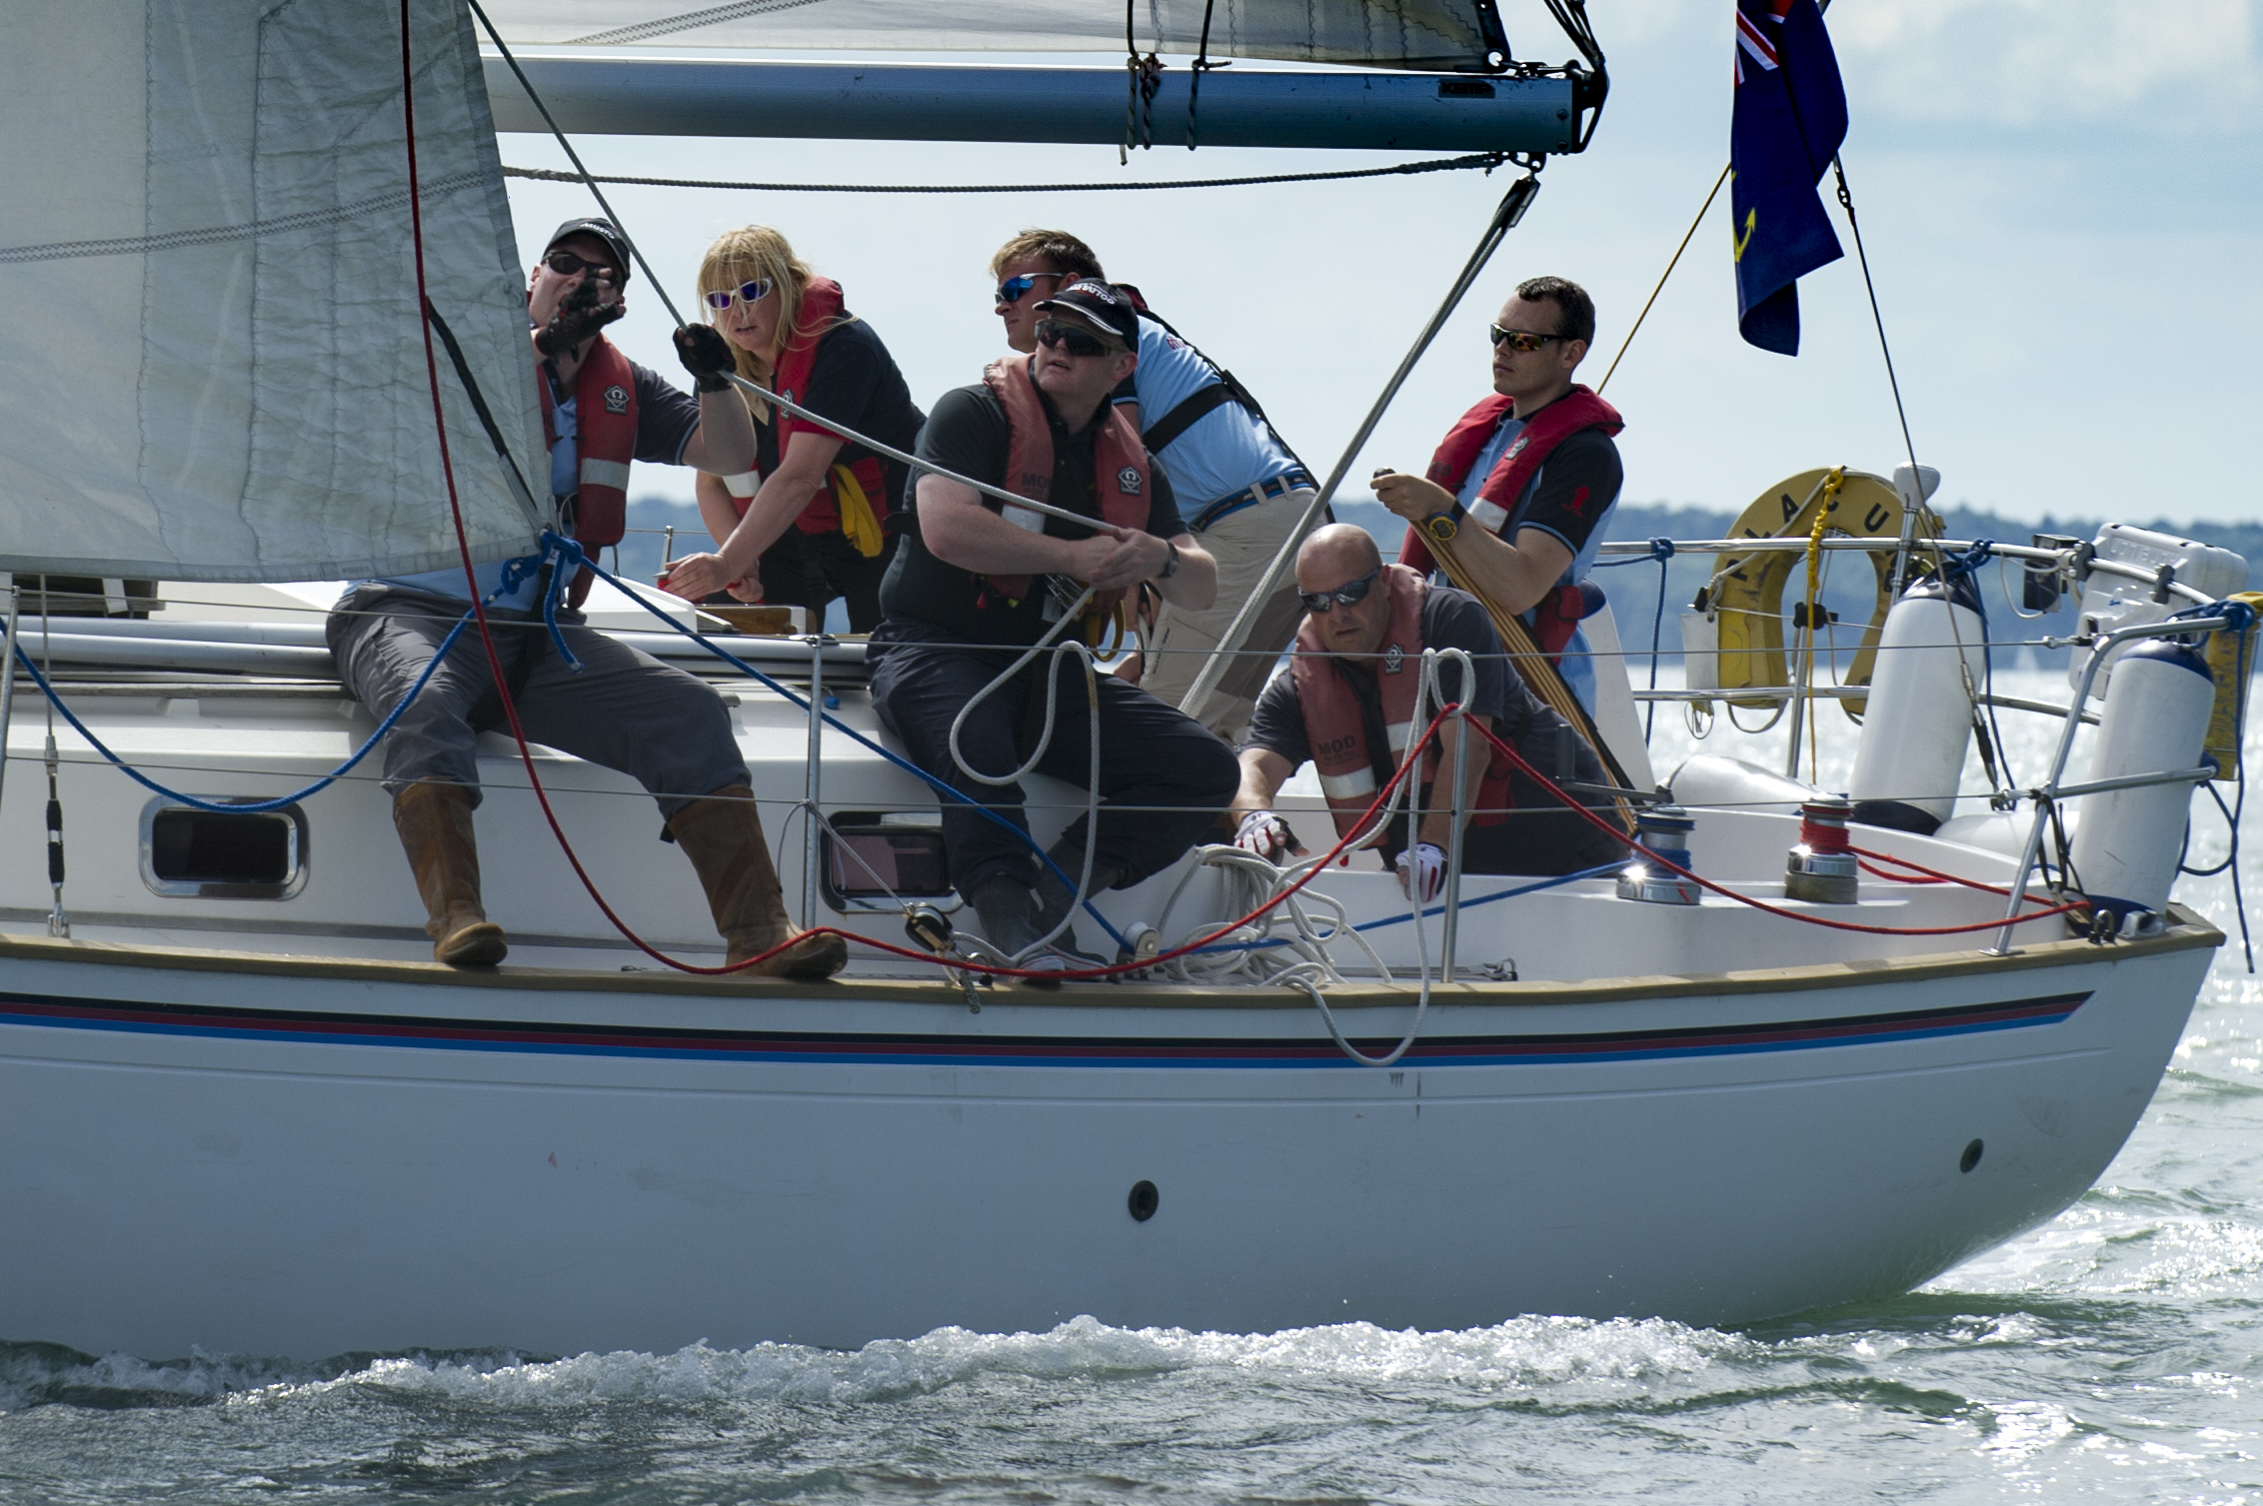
{"points": [[1524, 1356]]}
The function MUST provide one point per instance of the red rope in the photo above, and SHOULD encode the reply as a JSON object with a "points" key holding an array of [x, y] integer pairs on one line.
{"points": [[1932, 875], [1743, 899]]}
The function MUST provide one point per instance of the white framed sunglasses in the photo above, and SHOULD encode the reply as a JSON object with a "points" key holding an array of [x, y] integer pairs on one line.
{"points": [[750, 292]]}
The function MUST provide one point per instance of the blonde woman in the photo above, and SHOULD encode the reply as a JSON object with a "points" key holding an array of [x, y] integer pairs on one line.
{"points": [[812, 522]]}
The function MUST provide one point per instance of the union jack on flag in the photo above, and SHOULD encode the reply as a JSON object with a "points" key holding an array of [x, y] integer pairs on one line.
{"points": [[1754, 42], [1790, 116]]}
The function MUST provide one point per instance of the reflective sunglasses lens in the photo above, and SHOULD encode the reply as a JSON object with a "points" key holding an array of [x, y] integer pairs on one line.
{"points": [[1012, 288], [719, 301], [1355, 592], [755, 291]]}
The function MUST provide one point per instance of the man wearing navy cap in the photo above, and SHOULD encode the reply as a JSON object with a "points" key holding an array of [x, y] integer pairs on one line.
{"points": [[1240, 488], [623, 710], [976, 582]]}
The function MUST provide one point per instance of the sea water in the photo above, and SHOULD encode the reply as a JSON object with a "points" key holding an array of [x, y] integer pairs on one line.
{"points": [[2111, 1354]]}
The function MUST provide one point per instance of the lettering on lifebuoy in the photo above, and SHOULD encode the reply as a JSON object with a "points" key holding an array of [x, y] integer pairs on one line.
{"points": [[1874, 519]]}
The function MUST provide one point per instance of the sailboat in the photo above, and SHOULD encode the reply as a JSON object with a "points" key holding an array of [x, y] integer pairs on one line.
{"points": [[240, 1109]]}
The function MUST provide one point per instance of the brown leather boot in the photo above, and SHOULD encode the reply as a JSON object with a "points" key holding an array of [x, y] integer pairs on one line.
{"points": [[722, 835], [434, 820]]}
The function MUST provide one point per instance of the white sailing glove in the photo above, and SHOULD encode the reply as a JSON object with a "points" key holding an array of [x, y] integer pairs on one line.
{"points": [[1424, 865], [1265, 834]]}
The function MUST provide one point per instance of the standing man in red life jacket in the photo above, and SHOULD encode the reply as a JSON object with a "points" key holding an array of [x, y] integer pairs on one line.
{"points": [[623, 710], [1346, 703], [813, 521], [1518, 491], [976, 582]]}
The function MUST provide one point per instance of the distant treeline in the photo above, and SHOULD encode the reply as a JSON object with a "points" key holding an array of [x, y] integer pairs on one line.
{"points": [[1633, 589]]}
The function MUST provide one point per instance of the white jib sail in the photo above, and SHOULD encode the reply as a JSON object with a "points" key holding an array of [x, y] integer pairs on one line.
{"points": [[210, 360]]}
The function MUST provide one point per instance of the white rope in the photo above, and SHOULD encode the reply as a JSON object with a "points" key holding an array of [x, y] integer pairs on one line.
{"points": [[1055, 652]]}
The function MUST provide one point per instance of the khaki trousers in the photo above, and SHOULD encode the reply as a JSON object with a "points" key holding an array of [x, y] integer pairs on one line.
{"points": [[1243, 543]]}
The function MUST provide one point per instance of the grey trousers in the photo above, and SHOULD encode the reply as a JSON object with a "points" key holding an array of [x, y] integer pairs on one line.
{"points": [[625, 710]]}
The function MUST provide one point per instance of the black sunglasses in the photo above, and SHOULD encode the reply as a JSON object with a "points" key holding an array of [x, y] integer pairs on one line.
{"points": [[1350, 594], [1053, 334], [566, 264], [1524, 340]]}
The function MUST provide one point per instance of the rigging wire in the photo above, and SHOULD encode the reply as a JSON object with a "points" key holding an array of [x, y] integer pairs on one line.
{"points": [[1671, 263]]}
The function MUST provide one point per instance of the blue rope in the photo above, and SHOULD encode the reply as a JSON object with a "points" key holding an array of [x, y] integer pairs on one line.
{"points": [[255, 808], [566, 550], [1467, 904], [1661, 552], [515, 574], [1967, 561]]}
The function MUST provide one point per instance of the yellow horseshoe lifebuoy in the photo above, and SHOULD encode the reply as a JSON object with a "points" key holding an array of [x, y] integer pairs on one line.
{"points": [[1745, 597]]}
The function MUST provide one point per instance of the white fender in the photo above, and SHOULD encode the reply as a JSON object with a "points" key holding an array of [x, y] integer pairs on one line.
{"points": [[1708, 780], [1918, 726], [1616, 716], [2125, 851]]}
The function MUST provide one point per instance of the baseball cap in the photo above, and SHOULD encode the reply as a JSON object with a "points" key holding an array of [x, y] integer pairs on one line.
{"points": [[1098, 304], [604, 230]]}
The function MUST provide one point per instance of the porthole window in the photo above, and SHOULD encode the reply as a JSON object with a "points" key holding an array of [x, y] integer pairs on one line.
{"points": [[200, 854], [872, 854]]}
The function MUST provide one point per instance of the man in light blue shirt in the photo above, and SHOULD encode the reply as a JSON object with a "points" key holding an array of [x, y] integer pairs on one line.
{"points": [[1239, 487]]}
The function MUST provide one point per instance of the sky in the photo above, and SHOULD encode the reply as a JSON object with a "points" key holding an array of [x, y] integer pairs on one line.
{"points": [[2062, 202]]}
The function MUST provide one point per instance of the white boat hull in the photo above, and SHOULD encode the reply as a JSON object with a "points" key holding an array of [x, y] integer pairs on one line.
{"points": [[304, 1158]]}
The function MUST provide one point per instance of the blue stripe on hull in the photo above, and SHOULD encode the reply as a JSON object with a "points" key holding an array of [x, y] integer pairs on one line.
{"points": [[1014, 1051]]}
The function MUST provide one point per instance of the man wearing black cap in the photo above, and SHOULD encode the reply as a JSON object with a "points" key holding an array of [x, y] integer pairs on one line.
{"points": [[621, 709], [976, 582]]}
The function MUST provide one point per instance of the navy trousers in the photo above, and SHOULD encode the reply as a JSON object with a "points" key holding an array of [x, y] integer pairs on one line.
{"points": [[1163, 777]]}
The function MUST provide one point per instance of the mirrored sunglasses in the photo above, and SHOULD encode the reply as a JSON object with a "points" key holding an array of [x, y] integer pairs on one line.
{"points": [[1350, 594], [1053, 334], [1524, 340], [751, 292], [1011, 290]]}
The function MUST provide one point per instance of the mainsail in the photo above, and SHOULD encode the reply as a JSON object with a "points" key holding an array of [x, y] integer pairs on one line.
{"points": [[1436, 35], [211, 366]]}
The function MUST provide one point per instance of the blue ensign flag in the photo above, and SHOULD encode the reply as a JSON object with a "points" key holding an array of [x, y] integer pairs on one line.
{"points": [[1790, 116]]}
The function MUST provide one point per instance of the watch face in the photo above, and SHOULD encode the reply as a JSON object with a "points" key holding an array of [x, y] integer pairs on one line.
{"points": [[1442, 528]]}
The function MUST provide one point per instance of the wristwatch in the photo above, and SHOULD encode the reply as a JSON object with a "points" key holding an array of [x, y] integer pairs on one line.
{"points": [[1442, 526], [1172, 568]]}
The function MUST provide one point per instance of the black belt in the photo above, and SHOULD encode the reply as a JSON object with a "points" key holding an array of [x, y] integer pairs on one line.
{"points": [[1249, 496]]}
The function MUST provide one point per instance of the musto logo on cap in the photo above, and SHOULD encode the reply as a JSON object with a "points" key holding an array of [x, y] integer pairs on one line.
{"points": [[1129, 480]]}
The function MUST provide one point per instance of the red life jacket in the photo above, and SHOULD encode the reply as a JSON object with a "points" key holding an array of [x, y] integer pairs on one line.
{"points": [[821, 304], [605, 415], [1336, 733], [1119, 465], [1558, 614]]}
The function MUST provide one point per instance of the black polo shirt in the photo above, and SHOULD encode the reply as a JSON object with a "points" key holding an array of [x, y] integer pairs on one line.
{"points": [[967, 433]]}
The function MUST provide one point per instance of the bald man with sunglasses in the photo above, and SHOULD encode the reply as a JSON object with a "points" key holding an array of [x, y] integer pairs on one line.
{"points": [[1345, 702], [976, 582]]}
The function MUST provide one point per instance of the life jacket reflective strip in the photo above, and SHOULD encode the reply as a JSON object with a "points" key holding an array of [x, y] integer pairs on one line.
{"points": [[1558, 614], [1119, 466], [831, 505], [605, 422], [1336, 732]]}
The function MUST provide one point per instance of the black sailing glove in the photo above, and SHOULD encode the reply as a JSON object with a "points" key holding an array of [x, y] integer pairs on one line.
{"points": [[706, 355], [578, 317]]}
